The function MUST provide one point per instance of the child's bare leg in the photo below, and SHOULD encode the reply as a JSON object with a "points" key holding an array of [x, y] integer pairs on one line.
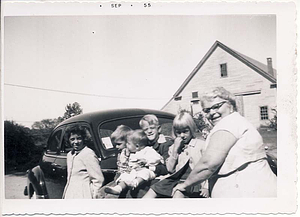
{"points": [[123, 185], [150, 194], [137, 181], [178, 194], [116, 190]]}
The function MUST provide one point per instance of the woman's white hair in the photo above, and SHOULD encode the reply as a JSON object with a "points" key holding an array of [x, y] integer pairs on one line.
{"points": [[222, 93]]}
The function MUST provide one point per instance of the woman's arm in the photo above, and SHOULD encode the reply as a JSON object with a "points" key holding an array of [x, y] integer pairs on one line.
{"points": [[220, 144]]}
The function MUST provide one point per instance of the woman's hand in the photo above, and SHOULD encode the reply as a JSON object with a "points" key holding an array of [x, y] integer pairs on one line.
{"points": [[204, 192], [180, 187]]}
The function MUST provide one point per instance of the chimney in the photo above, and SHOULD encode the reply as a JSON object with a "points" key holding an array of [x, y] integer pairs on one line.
{"points": [[270, 67]]}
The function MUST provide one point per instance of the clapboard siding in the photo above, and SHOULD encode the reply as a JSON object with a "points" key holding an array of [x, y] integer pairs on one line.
{"points": [[241, 79]]}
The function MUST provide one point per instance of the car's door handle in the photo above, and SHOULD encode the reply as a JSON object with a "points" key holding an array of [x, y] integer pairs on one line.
{"points": [[109, 170], [56, 165]]}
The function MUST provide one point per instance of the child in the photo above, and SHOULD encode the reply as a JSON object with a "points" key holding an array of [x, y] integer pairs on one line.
{"points": [[119, 138], [141, 158], [183, 156], [150, 125]]}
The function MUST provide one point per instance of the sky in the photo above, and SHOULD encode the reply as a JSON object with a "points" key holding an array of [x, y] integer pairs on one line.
{"points": [[106, 62]]}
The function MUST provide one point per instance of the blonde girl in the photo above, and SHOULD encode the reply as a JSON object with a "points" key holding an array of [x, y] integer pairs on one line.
{"points": [[183, 156]]}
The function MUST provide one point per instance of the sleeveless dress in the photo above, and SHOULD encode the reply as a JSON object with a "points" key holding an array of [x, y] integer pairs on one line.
{"points": [[245, 171]]}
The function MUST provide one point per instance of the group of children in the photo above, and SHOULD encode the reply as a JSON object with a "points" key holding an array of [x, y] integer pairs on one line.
{"points": [[145, 154]]}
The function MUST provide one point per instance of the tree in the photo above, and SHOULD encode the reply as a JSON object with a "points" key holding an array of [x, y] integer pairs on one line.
{"points": [[46, 123], [41, 130], [72, 110]]}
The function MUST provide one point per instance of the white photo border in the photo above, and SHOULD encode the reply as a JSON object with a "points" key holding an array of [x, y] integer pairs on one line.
{"points": [[286, 201]]}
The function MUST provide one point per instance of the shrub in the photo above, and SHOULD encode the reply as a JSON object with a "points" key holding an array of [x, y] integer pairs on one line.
{"points": [[273, 121], [19, 147], [203, 124]]}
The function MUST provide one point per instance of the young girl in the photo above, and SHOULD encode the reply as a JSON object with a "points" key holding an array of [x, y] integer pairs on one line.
{"points": [[183, 156], [141, 158]]}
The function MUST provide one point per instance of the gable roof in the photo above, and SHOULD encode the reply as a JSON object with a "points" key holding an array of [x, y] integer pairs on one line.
{"points": [[257, 66]]}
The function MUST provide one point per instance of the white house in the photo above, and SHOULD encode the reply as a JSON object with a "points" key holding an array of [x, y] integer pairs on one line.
{"points": [[253, 83]]}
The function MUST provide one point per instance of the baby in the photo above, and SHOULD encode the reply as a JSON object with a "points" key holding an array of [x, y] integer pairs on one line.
{"points": [[141, 158]]}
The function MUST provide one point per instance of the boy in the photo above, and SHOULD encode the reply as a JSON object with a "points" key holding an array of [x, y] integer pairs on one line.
{"points": [[150, 125], [119, 138]]}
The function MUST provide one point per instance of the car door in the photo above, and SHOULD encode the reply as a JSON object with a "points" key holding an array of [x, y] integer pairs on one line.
{"points": [[49, 166]]}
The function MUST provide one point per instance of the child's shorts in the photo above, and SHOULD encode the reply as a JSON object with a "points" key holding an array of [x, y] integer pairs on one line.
{"points": [[143, 173]]}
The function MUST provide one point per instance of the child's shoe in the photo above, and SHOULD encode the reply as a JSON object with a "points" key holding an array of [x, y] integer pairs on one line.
{"points": [[116, 190]]}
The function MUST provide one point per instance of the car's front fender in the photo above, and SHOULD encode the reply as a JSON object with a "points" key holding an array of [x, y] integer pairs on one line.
{"points": [[272, 160], [36, 183]]}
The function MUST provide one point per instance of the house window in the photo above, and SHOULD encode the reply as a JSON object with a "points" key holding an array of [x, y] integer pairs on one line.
{"points": [[264, 113], [178, 98], [195, 94], [223, 68], [273, 86]]}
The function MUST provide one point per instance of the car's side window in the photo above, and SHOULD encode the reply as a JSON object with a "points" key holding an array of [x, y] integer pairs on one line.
{"points": [[106, 129], [66, 146], [105, 138], [54, 141]]}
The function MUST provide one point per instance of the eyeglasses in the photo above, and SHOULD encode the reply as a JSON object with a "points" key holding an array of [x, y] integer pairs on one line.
{"points": [[214, 107]]}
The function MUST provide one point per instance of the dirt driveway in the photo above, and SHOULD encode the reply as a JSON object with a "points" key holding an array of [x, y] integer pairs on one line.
{"points": [[14, 185]]}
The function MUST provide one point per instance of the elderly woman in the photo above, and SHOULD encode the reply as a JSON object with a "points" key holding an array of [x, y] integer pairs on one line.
{"points": [[84, 173], [234, 160]]}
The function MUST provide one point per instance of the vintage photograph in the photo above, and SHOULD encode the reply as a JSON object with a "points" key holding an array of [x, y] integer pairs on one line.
{"points": [[115, 107]]}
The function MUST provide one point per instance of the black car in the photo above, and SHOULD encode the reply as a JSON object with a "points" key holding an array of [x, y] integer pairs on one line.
{"points": [[48, 179]]}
